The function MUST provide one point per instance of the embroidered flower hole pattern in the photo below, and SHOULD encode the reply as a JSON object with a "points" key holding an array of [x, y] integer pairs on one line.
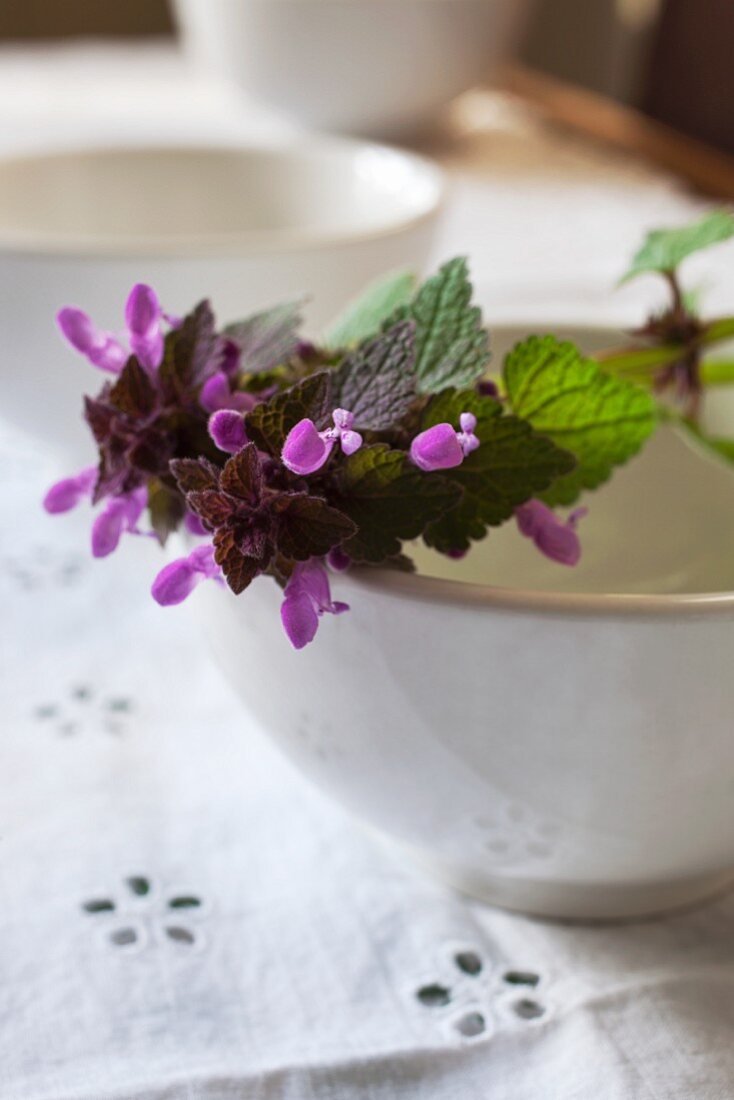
{"points": [[139, 889], [479, 991]]}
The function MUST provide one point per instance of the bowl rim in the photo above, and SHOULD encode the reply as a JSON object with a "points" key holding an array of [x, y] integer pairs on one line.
{"points": [[235, 245], [604, 605]]}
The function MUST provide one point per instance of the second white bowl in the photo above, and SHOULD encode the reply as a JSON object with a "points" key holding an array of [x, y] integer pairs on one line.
{"points": [[247, 228]]}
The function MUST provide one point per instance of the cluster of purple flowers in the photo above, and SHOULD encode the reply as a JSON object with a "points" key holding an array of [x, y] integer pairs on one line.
{"points": [[223, 406]]}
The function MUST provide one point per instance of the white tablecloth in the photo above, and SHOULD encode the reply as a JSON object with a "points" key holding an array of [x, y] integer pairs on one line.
{"points": [[181, 915]]}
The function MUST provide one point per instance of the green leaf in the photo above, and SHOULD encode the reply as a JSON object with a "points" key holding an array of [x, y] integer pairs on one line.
{"points": [[721, 329], [187, 353], [664, 249], [717, 372], [166, 509], [308, 527], [269, 338], [511, 465], [639, 364], [364, 317], [389, 499], [269, 423], [452, 347], [377, 382], [601, 420]]}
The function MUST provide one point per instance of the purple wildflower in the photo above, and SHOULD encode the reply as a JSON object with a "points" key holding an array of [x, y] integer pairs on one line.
{"points": [[217, 393], [67, 493], [338, 559], [554, 538], [193, 524], [120, 514], [306, 450], [442, 448], [179, 578], [227, 429], [307, 598], [144, 316], [101, 349]]}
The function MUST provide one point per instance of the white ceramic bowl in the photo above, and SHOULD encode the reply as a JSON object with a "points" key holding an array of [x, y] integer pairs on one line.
{"points": [[380, 67], [247, 228], [551, 740]]}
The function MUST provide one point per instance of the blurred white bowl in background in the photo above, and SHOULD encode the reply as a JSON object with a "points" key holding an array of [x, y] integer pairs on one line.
{"points": [[247, 228], [378, 67]]}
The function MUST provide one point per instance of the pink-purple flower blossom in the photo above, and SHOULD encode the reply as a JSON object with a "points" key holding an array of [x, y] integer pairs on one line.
{"points": [[227, 429], [70, 491], [442, 447], [557, 539], [217, 393], [119, 515], [306, 449], [179, 578], [144, 319], [307, 598]]}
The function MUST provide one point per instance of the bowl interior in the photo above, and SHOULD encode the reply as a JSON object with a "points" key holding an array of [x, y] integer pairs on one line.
{"points": [[663, 524], [135, 199]]}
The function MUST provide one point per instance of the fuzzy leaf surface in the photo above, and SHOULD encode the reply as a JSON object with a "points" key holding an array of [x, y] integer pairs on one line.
{"points": [[602, 420]]}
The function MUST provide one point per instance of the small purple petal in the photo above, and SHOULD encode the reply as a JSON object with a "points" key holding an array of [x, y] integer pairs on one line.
{"points": [[437, 448], [531, 516], [350, 442], [343, 419], [487, 388], [108, 355], [227, 429], [77, 328], [300, 619], [305, 450], [215, 393], [142, 310], [174, 583], [467, 422], [338, 559], [193, 524], [107, 529], [559, 543], [456, 555], [67, 493], [228, 355]]}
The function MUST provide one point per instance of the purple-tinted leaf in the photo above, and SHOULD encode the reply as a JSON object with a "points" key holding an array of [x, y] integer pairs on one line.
{"points": [[188, 353], [213, 507], [267, 339], [133, 393], [308, 527], [242, 475], [270, 422], [238, 570], [377, 383], [195, 475]]}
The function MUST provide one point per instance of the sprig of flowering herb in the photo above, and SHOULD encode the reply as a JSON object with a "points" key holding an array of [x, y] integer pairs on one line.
{"points": [[294, 460]]}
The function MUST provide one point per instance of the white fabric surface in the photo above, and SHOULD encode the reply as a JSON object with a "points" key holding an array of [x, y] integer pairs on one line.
{"points": [[124, 756]]}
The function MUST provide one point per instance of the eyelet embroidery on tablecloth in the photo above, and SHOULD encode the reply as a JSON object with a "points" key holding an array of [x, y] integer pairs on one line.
{"points": [[83, 709], [43, 569], [144, 913], [471, 998]]}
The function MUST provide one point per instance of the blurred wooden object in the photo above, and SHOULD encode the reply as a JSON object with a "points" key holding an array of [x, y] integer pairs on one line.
{"points": [[704, 168], [43, 19]]}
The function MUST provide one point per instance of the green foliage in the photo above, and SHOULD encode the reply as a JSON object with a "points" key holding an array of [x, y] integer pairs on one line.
{"points": [[389, 500], [601, 420], [363, 318], [452, 346], [377, 382], [166, 509], [664, 249], [269, 423], [512, 464]]}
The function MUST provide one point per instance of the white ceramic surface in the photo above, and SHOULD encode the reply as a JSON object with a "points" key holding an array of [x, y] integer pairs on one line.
{"points": [[247, 228], [551, 740], [379, 67]]}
